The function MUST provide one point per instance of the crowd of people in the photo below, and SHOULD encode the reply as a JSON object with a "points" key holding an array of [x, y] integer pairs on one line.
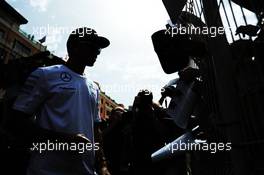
{"points": [[132, 136], [60, 104]]}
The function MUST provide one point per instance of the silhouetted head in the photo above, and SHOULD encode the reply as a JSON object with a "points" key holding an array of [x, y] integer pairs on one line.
{"points": [[116, 114], [84, 45]]}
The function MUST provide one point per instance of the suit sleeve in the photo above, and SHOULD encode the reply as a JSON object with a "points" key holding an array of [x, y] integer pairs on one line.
{"points": [[32, 93]]}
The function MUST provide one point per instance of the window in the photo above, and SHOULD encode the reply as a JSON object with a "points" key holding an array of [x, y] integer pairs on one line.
{"points": [[13, 56], [2, 34], [2, 54], [21, 48], [108, 113]]}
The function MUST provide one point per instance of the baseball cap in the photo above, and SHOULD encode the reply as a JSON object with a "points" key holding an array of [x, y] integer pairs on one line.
{"points": [[87, 35]]}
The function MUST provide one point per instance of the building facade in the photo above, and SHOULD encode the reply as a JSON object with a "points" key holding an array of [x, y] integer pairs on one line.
{"points": [[106, 104], [15, 43]]}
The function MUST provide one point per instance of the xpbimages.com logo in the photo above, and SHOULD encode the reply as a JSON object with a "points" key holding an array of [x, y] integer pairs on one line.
{"points": [[60, 146], [201, 146], [55, 29], [192, 30]]}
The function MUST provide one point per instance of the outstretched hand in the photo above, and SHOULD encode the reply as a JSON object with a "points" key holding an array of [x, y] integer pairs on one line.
{"points": [[79, 138], [104, 171]]}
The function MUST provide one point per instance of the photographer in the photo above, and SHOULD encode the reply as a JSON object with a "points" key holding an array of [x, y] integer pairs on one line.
{"points": [[146, 134]]}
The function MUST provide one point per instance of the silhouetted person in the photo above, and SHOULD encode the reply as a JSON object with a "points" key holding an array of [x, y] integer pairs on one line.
{"points": [[145, 133], [113, 141], [152, 128], [65, 104]]}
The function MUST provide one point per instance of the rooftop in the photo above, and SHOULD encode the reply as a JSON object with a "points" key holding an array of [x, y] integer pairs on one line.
{"points": [[10, 10]]}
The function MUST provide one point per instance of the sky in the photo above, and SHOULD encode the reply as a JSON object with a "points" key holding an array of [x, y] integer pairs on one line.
{"points": [[129, 63]]}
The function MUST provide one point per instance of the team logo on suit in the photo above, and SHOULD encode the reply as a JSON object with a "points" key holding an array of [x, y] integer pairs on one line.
{"points": [[66, 77]]}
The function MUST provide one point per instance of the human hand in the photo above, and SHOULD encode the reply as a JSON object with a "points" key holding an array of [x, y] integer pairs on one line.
{"points": [[189, 74], [104, 171], [79, 138]]}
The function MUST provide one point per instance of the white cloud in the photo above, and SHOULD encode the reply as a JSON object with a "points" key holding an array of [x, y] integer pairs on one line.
{"points": [[41, 5], [53, 41], [53, 17]]}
